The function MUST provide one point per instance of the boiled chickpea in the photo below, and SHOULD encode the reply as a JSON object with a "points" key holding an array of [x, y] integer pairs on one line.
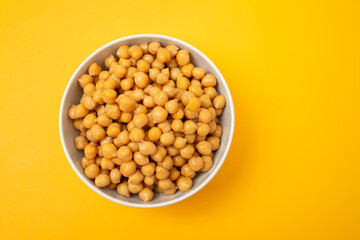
{"points": [[185, 97], [78, 111], [107, 163], [170, 106], [94, 69], [157, 64], [123, 137], [218, 112], [103, 120], [196, 163], [111, 83], [203, 129], [98, 160], [161, 173], [199, 138], [140, 120], [163, 55], [165, 184], [172, 63], [171, 191], [194, 104], [135, 52], [160, 98], [85, 79], [218, 131], [162, 78], [149, 180], [89, 103], [98, 97], [153, 72], [113, 111], [137, 134], [112, 185], [105, 171], [179, 160], [167, 162], [190, 138], [146, 194], [128, 168], [182, 83], [211, 92], [89, 89], [141, 79], [126, 103], [134, 146], [136, 178], [153, 47], [135, 188], [188, 151], [187, 70], [208, 162], [154, 134], [99, 151], [143, 66], [183, 57], [215, 142], [149, 58], [196, 90], [167, 138], [123, 189], [159, 114], [179, 142], [86, 162], [102, 180], [179, 114], [109, 95], [110, 59], [124, 153], [190, 127], [122, 52], [97, 132], [204, 147], [117, 161], [212, 126], [159, 155], [147, 148], [198, 73], [187, 171], [154, 90], [204, 115], [184, 183], [165, 126], [212, 112], [113, 129], [107, 139], [173, 49], [219, 102], [174, 174], [175, 73], [109, 150], [92, 171], [148, 169], [81, 142], [208, 80]]}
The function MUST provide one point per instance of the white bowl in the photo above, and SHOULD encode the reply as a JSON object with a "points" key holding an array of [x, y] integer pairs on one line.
{"points": [[73, 93]]}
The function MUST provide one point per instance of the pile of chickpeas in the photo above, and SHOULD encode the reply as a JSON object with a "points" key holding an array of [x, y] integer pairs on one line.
{"points": [[148, 121]]}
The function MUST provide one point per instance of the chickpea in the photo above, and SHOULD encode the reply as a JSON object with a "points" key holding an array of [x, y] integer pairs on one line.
{"points": [[154, 90], [141, 79], [204, 147], [97, 132], [153, 72], [157, 64], [122, 51], [133, 146], [194, 104], [127, 84], [109, 150], [110, 59], [81, 142], [187, 171], [218, 131], [196, 90], [167, 138], [161, 173], [102, 180], [128, 168], [89, 103], [219, 102], [172, 63], [179, 160], [92, 171], [218, 112], [103, 120], [160, 98], [149, 180], [148, 101], [208, 162], [212, 126], [125, 62], [148, 169], [113, 129], [98, 97], [184, 183], [171, 191], [115, 175], [136, 178], [165, 184], [86, 162], [174, 174], [199, 138], [175, 73], [203, 129], [135, 188], [179, 142], [143, 66], [85, 79], [137, 134], [94, 69], [125, 117], [183, 57], [190, 127], [89, 89], [147, 148], [78, 124], [107, 139], [130, 72], [182, 83], [173, 49], [124, 153], [111, 83], [105, 171], [123, 137], [167, 162], [165, 126], [187, 152], [212, 112], [153, 47], [215, 142], [140, 109], [159, 114], [140, 120], [211, 92], [123, 189], [185, 97], [198, 73], [187, 70], [162, 78], [107, 163], [196, 163], [78, 111], [113, 111], [146, 194], [205, 115], [163, 55], [149, 58], [135, 52], [171, 106], [111, 186], [208, 80], [126, 103], [159, 155], [179, 114], [99, 151], [109, 95]]}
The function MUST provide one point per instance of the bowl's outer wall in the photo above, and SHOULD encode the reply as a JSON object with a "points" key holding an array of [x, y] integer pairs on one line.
{"points": [[74, 92]]}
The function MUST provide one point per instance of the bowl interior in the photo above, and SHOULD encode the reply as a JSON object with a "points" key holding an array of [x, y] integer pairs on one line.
{"points": [[73, 94]]}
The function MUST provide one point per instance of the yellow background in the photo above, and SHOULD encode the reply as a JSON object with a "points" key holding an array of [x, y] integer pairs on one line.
{"points": [[293, 67]]}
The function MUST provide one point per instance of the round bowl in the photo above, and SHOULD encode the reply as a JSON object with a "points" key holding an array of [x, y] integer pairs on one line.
{"points": [[73, 93]]}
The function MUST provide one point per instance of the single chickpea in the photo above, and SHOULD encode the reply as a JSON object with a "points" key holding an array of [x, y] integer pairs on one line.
{"points": [[173, 49], [148, 101], [159, 114], [92, 171], [161, 98], [218, 112], [137, 134], [125, 117], [165, 184], [198, 73], [107, 139], [179, 114], [162, 78], [86, 162], [167, 138], [182, 83], [94, 69], [126, 84], [183, 57], [208, 162], [174, 174], [218, 131], [196, 163], [215, 142], [110, 59], [97, 132], [135, 52], [188, 151], [153, 47], [124, 154], [78, 123], [144, 47], [123, 138], [102, 180], [219, 102], [136, 178], [171, 191], [81, 142], [140, 120], [85, 79], [113, 129], [159, 154], [196, 90], [107, 163], [125, 62], [149, 180], [105, 171], [153, 72], [212, 125], [179, 160], [143, 66], [204, 147], [172, 63], [157, 64], [126, 103], [140, 109], [149, 58], [146, 194], [130, 72], [89, 89], [161, 173], [154, 90], [187, 70], [98, 97], [135, 188], [212, 112], [171, 106], [190, 127], [163, 55], [103, 120], [165, 126], [128, 168], [137, 95], [167, 162], [109, 95], [211, 92], [203, 129], [115, 175], [180, 142], [148, 169], [99, 151], [98, 160], [134, 146], [195, 82], [184, 183], [175, 73], [147, 148], [89, 136], [123, 189], [122, 51], [111, 83], [194, 104], [172, 151], [141, 79], [209, 80], [109, 150], [78, 111], [186, 171], [205, 116]]}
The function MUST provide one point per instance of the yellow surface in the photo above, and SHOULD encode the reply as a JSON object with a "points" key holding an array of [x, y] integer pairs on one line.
{"points": [[293, 171]]}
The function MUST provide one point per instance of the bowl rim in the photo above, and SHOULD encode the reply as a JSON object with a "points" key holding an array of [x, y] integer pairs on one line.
{"points": [[185, 195]]}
